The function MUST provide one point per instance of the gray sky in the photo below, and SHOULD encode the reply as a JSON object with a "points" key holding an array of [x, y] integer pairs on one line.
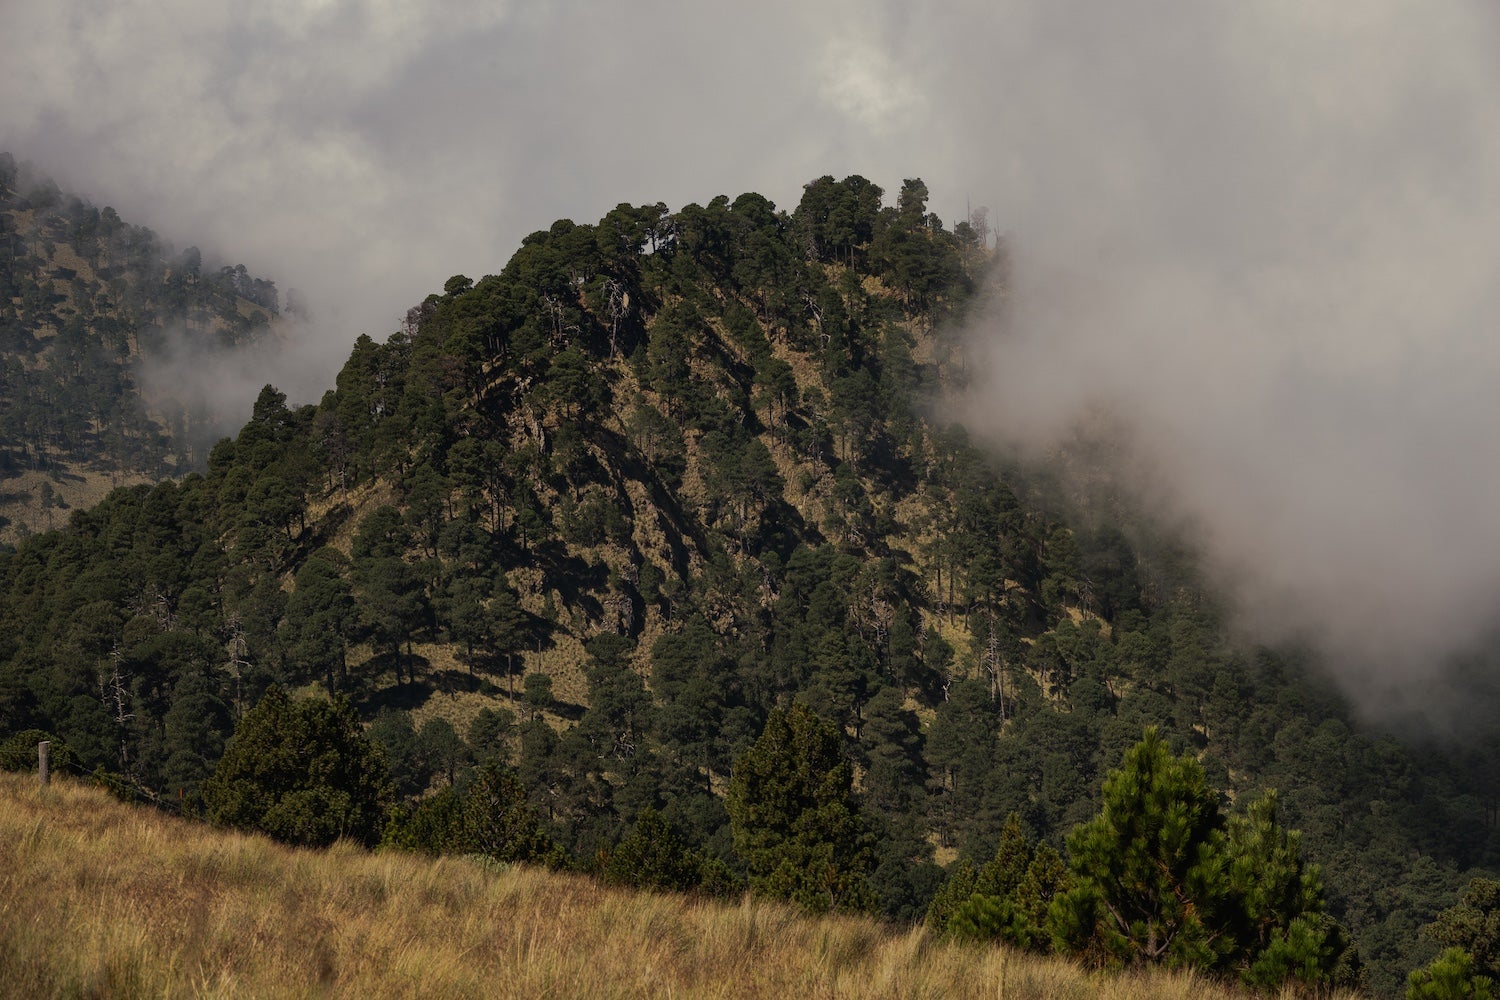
{"points": [[363, 152], [1261, 235], [1263, 238]]}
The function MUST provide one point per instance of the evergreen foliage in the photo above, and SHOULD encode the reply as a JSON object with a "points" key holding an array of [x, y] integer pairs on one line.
{"points": [[497, 821], [795, 819], [18, 752], [654, 856], [301, 771], [1473, 925], [1451, 976], [85, 298], [1149, 885], [659, 478], [487, 814], [1006, 899], [1159, 878]]}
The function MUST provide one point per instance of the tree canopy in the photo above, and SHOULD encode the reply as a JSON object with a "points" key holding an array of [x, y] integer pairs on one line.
{"points": [[794, 815], [302, 771], [628, 514]]}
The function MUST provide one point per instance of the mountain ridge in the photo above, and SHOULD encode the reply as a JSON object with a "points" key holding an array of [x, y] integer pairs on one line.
{"points": [[600, 514], [90, 307]]}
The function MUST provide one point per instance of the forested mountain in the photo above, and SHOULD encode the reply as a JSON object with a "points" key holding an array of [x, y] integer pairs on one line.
{"points": [[618, 535], [85, 300]]}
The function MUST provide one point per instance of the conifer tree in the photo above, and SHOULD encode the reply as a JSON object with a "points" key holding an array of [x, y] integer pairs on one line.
{"points": [[1473, 925], [302, 772], [497, 820], [1281, 928], [1007, 898], [794, 816], [1160, 877], [1149, 868], [654, 856], [1451, 976]]}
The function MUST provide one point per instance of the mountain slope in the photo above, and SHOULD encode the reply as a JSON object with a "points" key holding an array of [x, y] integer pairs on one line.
{"points": [[86, 302], [598, 514]]}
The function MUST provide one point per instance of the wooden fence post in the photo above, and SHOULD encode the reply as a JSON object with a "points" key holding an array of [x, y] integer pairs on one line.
{"points": [[43, 760]]}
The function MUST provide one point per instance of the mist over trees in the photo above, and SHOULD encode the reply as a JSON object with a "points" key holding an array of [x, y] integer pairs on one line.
{"points": [[88, 304], [648, 556]]}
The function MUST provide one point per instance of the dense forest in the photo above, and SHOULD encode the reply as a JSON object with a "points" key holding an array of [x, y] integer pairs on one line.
{"points": [[85, 299], [649, 556]]}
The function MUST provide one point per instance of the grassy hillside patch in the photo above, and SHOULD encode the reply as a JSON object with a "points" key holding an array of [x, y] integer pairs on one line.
{"points": [[103, 899], [74, 486]]}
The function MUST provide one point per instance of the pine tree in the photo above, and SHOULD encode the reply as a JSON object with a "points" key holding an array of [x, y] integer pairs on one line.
{"points": [[1005, 899], [1282, 930], [1451, 976], [302, 772], [1160, 877], [497, 820], [654, 856], [794, 816], [1150, 868]]}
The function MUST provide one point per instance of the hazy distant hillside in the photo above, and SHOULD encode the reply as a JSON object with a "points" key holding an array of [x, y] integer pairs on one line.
{"points": [[601, 516], [87, 300]]}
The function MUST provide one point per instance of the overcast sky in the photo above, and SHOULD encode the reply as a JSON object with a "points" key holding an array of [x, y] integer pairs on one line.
{"points": [[1261, 235], [363, 152]]}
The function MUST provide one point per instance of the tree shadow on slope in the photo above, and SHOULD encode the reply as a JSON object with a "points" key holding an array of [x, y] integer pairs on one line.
{"points": [[572, 577], [372, 686]]}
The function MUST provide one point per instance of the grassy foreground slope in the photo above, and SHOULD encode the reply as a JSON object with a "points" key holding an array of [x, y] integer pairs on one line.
{"points": [[102, 899]]}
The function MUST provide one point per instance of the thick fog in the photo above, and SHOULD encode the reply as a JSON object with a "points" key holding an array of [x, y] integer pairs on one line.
{"points": [[1260, 241], [1260, 236]]}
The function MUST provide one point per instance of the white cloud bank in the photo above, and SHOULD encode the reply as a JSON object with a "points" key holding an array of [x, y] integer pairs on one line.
{"points": [[1266, 240]]}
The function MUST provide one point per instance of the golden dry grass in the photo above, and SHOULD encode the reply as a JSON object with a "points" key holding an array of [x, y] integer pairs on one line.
{"points": [[80, 487], [100, 899]]}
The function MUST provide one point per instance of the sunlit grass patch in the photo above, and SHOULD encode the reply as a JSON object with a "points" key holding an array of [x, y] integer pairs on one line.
{"points": [[103, 899]]}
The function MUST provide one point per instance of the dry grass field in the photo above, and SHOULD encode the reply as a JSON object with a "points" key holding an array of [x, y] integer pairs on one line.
{"points": [[101, 899], [76, 485]]}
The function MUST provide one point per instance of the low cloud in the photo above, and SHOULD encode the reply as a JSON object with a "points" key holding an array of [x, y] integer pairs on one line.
{"points": [[205, 391], [366, 152], [1262, 241]]}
